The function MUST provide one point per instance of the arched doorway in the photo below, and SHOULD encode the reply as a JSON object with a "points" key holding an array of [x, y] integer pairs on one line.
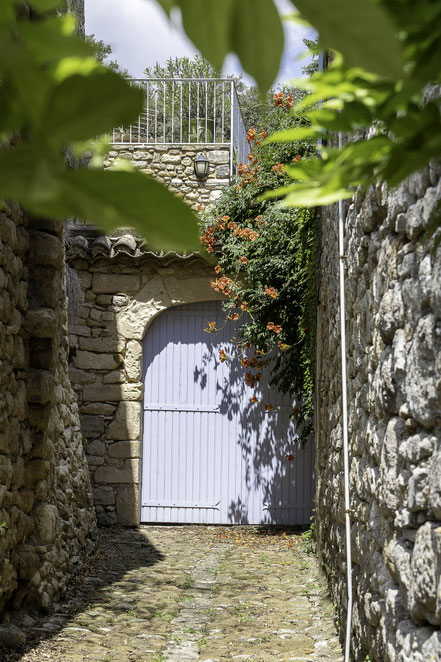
{"points": [[209, 454]]}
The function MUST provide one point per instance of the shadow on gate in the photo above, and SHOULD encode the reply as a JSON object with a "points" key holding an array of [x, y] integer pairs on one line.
{"points": [[276, 464]]}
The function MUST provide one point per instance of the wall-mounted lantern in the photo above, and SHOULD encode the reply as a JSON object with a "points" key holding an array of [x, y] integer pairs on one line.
{"points": [[201, 165]]}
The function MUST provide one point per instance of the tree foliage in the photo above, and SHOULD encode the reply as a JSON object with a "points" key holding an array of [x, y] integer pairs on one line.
{"points": [[102, 52], [183, 67], [314, 49]]}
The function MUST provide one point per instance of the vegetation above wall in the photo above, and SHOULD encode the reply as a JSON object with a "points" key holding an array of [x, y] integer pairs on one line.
{"points": [[267, 264], [256, 109]]}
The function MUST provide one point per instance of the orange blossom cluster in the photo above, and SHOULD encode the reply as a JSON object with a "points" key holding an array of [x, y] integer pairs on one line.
{"points": [[274, 327], [208, 239], [246, 233], [222, 356], [282, 101], [247, 172], [271, 292], [279, 168], [252, 135], [251, 379], [220, 225], [223, 284]]}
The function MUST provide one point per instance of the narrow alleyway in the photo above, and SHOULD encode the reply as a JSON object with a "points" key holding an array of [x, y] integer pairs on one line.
{"points": [[178, 594]]}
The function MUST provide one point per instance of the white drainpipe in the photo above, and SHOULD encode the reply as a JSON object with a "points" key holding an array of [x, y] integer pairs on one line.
{"points": [[345, 423]]}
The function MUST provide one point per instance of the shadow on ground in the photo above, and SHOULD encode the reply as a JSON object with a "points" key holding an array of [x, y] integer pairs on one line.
{"points": [[119, 551]]}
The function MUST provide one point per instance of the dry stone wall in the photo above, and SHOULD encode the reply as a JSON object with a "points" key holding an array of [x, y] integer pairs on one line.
{"points": [[393, 324], [174, 166], [124, 288], [47, 524]]}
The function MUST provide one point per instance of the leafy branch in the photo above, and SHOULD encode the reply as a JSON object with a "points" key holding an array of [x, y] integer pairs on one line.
{"points": [[53, 92], [382, 88]]}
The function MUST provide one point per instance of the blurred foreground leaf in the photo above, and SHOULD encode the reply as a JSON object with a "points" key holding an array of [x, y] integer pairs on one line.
{"points": [[250, 28], [53, 93], [361, 30], [105, 198]]}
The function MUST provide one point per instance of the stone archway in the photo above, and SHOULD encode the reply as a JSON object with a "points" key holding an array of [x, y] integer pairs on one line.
{"points": [[163, 291], [123, 294]]}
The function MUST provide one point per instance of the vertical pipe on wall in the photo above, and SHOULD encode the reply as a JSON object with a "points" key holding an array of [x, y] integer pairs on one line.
{"points": [[223, 109], [231, 127], [147, 113], [173, 112], [345, 422], [214, 110], [163, 110]]}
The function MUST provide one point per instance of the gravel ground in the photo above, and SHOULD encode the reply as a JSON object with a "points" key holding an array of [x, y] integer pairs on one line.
{"points": [[189, 593]]}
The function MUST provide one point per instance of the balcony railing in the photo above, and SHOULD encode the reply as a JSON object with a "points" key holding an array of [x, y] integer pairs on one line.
{"points": [[188, 111]]}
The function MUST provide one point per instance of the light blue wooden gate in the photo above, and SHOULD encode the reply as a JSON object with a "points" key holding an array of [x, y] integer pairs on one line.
{"points": [[209, 454]]}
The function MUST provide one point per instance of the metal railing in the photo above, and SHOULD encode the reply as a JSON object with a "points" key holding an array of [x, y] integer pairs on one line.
{"points": [[188, 111]]}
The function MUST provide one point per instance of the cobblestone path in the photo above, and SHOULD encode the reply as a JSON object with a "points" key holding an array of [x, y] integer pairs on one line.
{"points": [[181, 594]]}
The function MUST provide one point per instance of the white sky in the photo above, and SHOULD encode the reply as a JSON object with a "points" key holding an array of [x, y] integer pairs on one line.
{"points": [[141, 35]]}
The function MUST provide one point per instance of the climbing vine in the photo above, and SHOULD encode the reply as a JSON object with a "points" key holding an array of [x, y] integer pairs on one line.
{"points": [[266, 258]]}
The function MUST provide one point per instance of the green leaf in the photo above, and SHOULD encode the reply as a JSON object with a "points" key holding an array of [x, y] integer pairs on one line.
{"points": [[167, 5], [250, 28], [361, 30], [112, 199], [291, 135], [47, 5], [296, 17], [83, 107], [304, 195], [208, 24], [306, 169], [355, 116], [408, 158], [105, 198], [362, 152], [258, 39], [9, 120], [27, 83], [7, 12], [53, 38]]}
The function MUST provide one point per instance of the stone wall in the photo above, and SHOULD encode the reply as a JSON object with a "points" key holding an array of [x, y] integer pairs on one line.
{"points": [[124, 288], [394, 392], [173, 165], [47, 523]]}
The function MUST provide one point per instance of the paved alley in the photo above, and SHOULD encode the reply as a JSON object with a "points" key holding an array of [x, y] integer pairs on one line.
{"points": [[189, 593]]}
